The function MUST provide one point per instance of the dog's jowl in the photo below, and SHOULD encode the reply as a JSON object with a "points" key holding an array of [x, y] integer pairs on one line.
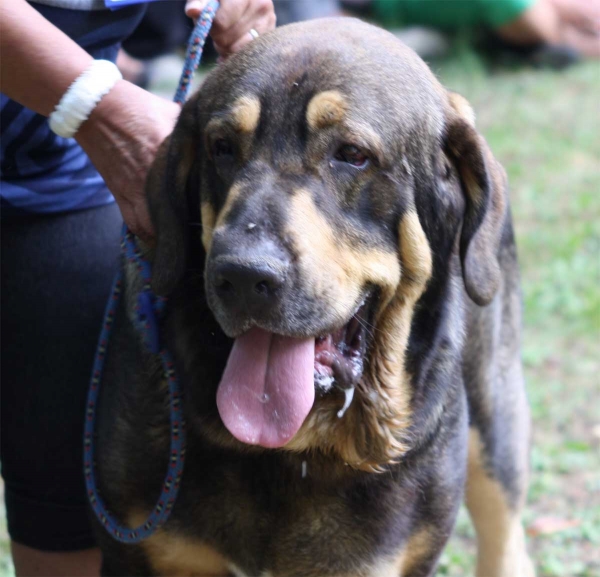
{"points": [[345, 325]]}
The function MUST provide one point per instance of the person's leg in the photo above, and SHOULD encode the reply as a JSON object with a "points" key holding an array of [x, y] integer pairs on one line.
{"points": [[56, 277], [33, 563]]}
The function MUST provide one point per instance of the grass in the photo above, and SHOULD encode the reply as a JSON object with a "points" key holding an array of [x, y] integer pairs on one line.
{"points": [[6, 568], [544, 127]]}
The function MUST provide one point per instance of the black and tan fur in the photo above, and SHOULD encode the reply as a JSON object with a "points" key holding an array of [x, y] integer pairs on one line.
{"points": [[440, 411]]}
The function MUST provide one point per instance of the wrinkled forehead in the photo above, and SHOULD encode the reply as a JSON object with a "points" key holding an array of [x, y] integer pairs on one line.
{"points": [[319, 74]]}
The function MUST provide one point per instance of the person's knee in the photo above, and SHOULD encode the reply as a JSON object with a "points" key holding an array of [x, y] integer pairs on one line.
{"points": [[30, 562]]}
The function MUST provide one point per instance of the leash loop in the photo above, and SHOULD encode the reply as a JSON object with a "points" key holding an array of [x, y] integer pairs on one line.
{"points": [[148, 310]]}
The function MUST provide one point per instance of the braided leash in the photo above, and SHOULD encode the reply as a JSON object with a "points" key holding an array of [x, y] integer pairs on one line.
{"points": [[194, 49], [148, 310]]}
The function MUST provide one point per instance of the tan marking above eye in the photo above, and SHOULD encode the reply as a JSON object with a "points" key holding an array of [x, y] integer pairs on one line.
{"points": [[326, 108], [462, 107], [246, 113]]}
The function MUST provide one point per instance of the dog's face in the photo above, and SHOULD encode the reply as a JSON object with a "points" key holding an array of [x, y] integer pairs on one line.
{"points": [[333, 173]]}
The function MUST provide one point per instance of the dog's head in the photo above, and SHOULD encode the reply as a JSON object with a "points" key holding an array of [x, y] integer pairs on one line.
{"points": [[332, 172]]}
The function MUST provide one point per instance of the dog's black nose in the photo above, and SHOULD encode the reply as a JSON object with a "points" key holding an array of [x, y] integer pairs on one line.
{"points": [[256, 283]]}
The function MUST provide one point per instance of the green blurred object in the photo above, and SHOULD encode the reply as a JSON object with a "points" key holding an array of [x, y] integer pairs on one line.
{"points": [[448, 14]]}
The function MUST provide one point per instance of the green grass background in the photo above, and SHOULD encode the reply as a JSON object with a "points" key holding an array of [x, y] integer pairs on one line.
{"points": [[544, 127]]}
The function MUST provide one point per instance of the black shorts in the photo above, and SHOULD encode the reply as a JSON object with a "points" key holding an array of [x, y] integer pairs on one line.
{"points": [[56, 275]]}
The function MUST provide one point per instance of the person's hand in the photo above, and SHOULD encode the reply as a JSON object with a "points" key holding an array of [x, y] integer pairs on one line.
{"points": [[572, 23], [582, 14], [121, 137], [234, 20], [580, 25]]}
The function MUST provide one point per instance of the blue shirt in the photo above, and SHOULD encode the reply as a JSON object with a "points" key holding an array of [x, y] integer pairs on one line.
{"points": [[41, 172]]}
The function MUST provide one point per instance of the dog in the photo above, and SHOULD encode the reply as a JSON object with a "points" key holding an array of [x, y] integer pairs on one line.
{"points": [[335, 241]]}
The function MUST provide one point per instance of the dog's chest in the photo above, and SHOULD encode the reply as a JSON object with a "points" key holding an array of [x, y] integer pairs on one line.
{"points": [[252, 521]]}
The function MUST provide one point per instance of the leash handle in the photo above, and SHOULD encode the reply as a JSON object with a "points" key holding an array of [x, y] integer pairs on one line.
{"points": [[148, 307], [194, 50]]}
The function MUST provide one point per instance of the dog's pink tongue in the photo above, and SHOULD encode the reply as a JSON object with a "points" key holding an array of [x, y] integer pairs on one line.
{"points": [[267, 389]]}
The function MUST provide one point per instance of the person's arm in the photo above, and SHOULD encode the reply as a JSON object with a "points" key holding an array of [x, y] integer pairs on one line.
{"points": [[38, 63], [121, 136]]}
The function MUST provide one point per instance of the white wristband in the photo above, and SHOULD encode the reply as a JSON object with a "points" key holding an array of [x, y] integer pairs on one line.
{"points": [[82, 96]]}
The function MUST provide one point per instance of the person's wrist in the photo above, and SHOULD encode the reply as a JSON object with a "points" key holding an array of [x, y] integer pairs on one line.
{"points": [[108, 112], [125, 108], [82, 96]]}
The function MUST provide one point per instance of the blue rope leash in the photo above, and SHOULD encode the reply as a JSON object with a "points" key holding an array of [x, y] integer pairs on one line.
{"points": [[148, 309], [194, 49]]}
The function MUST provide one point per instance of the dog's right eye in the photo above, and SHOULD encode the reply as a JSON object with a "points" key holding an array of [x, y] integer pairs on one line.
{"points": [[222, 148], [352, 155]]}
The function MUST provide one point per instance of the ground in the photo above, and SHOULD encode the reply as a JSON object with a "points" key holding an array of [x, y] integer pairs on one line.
{"points": [[544, 127]]}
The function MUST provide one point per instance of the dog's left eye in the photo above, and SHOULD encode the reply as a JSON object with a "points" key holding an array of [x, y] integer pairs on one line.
{"points": [[352, 155], [222, 148]]}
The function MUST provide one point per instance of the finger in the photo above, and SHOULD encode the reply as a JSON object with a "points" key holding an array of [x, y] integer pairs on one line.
{"points": [[243, 38], [586, 44], [143, 217], [141, 224], [229, 14], [591, 27], [582, 14], [234, 38], [136, 217], [145, 230], [237, 17], [193, 8]]}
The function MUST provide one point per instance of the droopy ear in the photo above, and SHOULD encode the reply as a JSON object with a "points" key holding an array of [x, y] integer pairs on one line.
{"points": [[167, 192], [485, 186]]}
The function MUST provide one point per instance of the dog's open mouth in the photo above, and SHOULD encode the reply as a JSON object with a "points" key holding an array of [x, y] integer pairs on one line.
{"points": [[268, 386], [339, 356]]}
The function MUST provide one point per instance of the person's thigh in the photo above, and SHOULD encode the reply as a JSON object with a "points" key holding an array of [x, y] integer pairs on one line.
{"points": [[56, 276]]}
